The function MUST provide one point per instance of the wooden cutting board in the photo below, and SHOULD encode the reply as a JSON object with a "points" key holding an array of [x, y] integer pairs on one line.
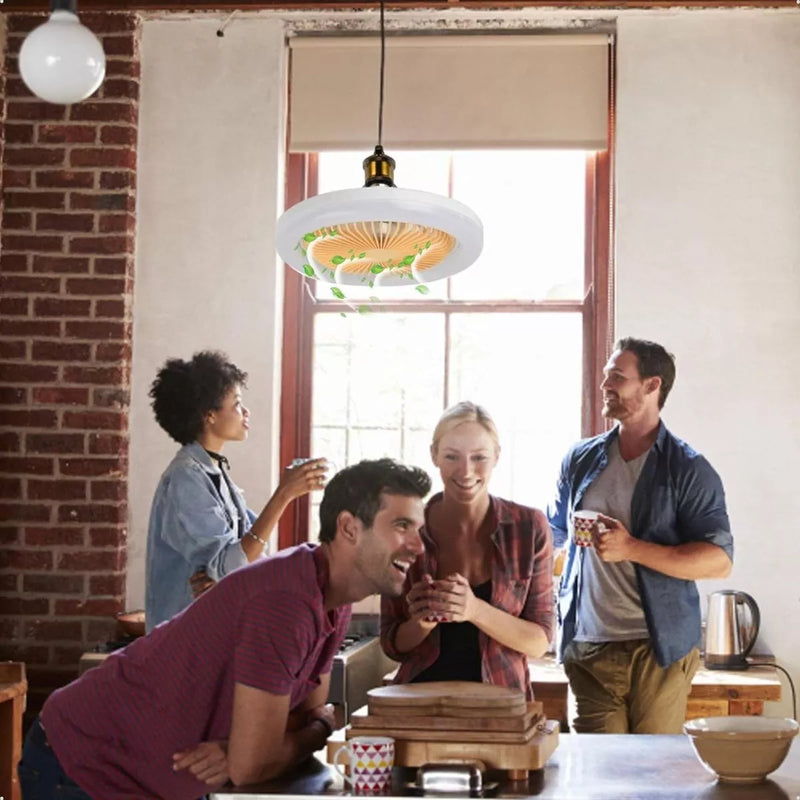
{"points": [[424, 734], [446, 698], [361, 718]]}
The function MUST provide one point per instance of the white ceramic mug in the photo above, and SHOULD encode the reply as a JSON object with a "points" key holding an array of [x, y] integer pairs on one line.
{"points": [[584, 524], [371, 759]]}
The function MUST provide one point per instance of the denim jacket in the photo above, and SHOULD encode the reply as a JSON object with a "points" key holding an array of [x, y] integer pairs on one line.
{"points": [[678, 499], [194, 523]]}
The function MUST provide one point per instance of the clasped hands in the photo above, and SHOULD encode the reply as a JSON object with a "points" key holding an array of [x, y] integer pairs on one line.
{"points": [[447, 599]]}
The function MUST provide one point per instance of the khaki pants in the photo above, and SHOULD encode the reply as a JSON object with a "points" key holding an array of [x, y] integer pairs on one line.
{"points": [[620, 688]]}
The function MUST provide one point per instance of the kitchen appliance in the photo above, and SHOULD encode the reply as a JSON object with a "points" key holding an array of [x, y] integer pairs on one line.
{"points": [[359, 665], [732, 626]]}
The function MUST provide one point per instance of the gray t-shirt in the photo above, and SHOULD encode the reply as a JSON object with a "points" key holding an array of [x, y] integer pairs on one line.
{"points": [[609, 605]]}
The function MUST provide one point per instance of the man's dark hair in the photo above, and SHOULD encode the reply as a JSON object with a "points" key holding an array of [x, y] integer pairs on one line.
{"points": [[654, 362], [358, 489], [185, 391]]}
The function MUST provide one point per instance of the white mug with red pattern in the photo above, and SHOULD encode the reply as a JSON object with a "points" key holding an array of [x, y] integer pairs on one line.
{"points": [[371, 759], [585, 524]]}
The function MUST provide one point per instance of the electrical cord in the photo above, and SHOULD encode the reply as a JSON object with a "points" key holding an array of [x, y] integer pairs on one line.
{"points": [[383, 69], [785, 672]]}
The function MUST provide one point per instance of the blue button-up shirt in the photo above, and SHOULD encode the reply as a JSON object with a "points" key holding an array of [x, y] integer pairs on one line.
{"points": [[678, 499], [195, 522]]}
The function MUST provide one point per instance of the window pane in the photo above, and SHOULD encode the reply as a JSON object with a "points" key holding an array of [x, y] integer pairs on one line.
{"points": [[526, 370], [532, 206]]}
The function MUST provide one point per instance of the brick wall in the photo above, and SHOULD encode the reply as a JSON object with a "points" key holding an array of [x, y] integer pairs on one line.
{"points": [[66, 273]]}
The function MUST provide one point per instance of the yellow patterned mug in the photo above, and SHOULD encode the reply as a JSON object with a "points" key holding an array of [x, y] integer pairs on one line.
{"points": [[371, 759]]}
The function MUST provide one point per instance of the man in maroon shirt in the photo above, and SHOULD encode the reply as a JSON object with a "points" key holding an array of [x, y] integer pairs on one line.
{"points": [[234, 687]]}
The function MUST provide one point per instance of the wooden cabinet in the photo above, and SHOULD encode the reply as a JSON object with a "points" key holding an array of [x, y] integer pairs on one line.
{"points": [[13, 692], [715, 693]]}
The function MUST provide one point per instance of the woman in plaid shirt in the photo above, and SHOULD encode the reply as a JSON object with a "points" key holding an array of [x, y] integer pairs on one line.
{"points": [[479, 602]]}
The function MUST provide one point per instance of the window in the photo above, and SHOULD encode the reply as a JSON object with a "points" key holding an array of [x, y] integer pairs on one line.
{"points": [[524, 331]]}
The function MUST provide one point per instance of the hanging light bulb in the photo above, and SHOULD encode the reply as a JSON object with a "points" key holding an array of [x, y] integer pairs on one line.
{"points": [[379, 234], [62, 61]]}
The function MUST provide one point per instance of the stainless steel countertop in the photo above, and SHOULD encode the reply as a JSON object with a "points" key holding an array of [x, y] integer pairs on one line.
{"points": [[584, 767]]}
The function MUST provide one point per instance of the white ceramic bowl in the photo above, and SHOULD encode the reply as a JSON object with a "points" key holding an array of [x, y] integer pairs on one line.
{"points": [[741, 749]]}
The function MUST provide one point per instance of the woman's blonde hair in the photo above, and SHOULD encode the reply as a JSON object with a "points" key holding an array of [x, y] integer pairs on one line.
{"points": [[462, 412]]}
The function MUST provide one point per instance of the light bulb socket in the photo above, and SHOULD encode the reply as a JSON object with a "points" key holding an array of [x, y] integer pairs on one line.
{"points": [[378, 168], [64, 5]]}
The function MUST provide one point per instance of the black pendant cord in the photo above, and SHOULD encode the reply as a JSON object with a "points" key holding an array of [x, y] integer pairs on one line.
{"points": [[383, 69]]}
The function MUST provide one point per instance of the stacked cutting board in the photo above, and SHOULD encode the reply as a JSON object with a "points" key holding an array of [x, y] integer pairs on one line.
{"points": [[457, 720]]}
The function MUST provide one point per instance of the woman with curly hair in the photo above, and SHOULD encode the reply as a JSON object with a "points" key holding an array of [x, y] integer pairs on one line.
{"points": [[200, 528]]}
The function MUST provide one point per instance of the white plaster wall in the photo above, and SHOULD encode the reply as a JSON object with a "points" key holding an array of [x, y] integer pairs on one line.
{"points": [[708, 262], [210, 182]]}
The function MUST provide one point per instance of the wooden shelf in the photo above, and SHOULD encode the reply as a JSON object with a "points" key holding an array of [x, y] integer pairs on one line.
{"points": [[13, 693]]}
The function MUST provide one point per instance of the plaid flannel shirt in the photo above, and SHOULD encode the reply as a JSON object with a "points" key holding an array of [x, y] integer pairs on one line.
{"points": [[522, 585]]}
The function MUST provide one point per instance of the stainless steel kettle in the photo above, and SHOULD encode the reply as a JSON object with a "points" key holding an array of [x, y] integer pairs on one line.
{"points": [[732, 626]]}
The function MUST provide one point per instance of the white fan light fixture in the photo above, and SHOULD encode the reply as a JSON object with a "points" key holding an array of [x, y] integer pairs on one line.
{"points": [[379, 234], [62, 61]]}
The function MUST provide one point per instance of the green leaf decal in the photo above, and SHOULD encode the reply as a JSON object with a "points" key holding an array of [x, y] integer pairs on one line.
{"points": [[362, 255], [406, 261], [363, 309], [309, 237], [337, 260], [337, 292], [309, 270], [423, 289], [376, 269]]}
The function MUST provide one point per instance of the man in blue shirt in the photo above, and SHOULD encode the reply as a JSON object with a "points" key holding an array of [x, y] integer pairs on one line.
{"points": [[629, 611]]}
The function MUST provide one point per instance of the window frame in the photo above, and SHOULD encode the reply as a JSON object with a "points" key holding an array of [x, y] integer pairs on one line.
{"points": [[300, 307]]}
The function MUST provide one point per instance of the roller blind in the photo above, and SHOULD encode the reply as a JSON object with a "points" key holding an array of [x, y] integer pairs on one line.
{"points": [[450, 92]]}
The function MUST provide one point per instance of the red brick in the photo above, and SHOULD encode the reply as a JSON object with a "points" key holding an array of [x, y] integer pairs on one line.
{"points": [[119, 134], [108, 444], [14, 306], [61, 351], [122, 68], [108, 537], [24, 23], [36, 243], [56, 490], [91, 560], [107, 490], [79, 223], [103, 157], [113, 352], [101, 630], [17, 220], [34, 156], [112, 266], [96, 512], [95, 286], [13, 349], [110, 309], [118, 180], [88, 608], [69, 656], [24, 606], [117, 223], [61, 264], [120, 88], [107, 201], [8, 631], [113, 585], [30, 655], [119, 46], [10, 488], [96, 375], [13, 395], [61, 395], [58, 307], [9, 442], [40, 418], [34, 327], [54, 442], [13, 262], [52, 584], [10, 535], [24, 284], [92, 420], [8, 583], [18, 133], [26, 109], [52, 631], [26, 559], [65, 179], [103, 111], [35, 199], [17, 178], [26, 465], [16, 86], [28, 373], [67, 134], [54, 537], [102, 245], [97, 330], [104, 23], [92, 467]]}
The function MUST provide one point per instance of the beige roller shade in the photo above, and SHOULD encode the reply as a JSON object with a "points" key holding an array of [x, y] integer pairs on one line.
{"points": [[453, 92]]}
